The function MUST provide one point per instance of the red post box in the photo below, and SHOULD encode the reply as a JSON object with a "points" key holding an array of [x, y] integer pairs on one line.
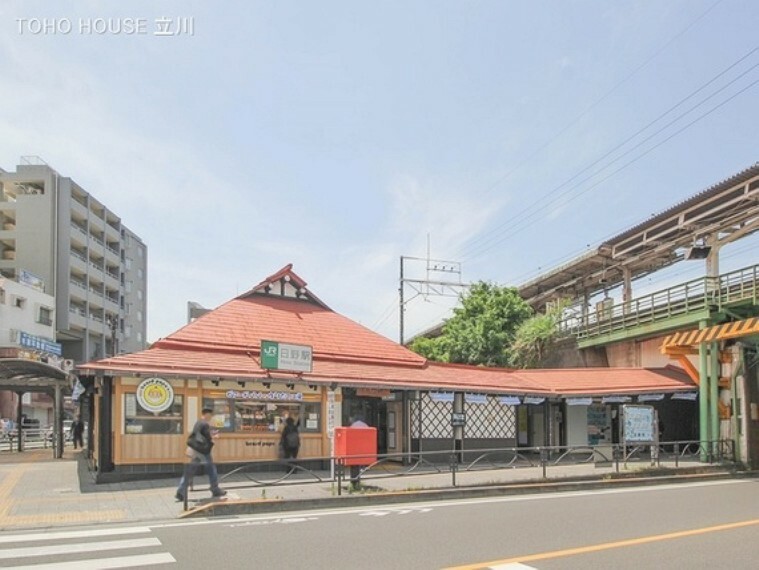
{"points": [[356, 441]]}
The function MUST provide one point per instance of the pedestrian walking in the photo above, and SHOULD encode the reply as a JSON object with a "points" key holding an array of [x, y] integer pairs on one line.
{"points": [[77, 432], [289, 442], [199, 446]]}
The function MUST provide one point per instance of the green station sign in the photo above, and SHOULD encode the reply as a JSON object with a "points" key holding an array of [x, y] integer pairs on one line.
{"points": [[285, 356]]}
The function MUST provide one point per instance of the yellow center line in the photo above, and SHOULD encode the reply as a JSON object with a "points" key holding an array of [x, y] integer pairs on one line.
{"points": [[607, 545]]}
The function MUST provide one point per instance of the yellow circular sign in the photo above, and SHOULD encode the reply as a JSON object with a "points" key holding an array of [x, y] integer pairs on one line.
{"points": [[155, 395]]}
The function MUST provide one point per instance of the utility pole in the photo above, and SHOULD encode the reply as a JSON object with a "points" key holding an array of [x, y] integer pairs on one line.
{"points": [[434, 283]]}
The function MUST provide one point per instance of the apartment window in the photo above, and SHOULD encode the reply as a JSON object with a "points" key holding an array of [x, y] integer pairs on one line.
{"points": [[19, 302], [139, 337], [139, 316], [128, 286], [2, 296], [121, 325], [128, 331], [139, 294], [140, 252], [122, 278], [128, 263], [140, 273], [45, 316]]}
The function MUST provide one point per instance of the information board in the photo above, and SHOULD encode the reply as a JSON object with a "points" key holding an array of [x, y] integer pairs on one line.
{"points": [[639, 424]]}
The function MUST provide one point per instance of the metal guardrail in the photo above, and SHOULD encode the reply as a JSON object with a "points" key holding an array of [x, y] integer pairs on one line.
{"points": [[697, 295], [38, 438], [392, 465]]}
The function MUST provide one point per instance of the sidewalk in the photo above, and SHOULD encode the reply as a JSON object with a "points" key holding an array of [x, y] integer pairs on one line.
{"points": [[36, 491]]}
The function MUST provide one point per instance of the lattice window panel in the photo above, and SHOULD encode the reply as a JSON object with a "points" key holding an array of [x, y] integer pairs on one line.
{"points": [[436, 419], [490, 421]]}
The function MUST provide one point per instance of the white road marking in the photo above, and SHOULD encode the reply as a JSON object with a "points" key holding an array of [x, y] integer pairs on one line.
{"points": [[104, 563], [511, 566], [66, 535], [77, 547], [550, 496]]}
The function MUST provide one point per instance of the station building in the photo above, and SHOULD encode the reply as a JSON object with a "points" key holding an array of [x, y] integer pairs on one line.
{"points": [[327, 369]]}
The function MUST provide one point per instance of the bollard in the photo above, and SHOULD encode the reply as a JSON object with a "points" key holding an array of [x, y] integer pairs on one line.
{"points": [[677, 455], [454, 467], [339, 471], [617, 454], [544, 461]]}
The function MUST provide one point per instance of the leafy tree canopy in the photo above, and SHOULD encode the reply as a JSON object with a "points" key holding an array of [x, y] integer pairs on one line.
{"points": [[481, 330]]}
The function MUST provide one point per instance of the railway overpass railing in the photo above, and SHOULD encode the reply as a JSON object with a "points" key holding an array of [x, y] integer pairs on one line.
{"points": [[698, 298]]}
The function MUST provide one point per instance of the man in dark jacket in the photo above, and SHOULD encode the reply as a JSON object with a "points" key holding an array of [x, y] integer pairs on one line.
{"points": [[77, 432], [290, 440], [199, 446]]}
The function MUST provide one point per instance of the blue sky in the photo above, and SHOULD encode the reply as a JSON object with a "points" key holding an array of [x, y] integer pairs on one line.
{"points": [[337, 135]]}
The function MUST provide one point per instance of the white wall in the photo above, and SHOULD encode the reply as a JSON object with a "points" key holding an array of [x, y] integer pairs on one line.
{"points": [[23, 319], [577, 425]]}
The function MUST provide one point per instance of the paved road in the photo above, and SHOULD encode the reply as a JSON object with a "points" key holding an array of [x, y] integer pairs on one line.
{"points": [[706, 525]]}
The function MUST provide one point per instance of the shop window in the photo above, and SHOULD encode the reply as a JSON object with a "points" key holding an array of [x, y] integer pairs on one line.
{"points": [[243, 416], [140, 421]]}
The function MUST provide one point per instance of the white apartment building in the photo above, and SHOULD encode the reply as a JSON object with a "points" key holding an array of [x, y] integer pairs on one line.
{"points": [[94, 267], [27, 330]]}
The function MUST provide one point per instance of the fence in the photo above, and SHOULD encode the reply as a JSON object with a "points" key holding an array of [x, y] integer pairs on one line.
{"points": [[454, 463], [697, 295]]}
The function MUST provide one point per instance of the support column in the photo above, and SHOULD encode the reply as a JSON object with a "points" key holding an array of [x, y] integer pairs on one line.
{"points": [[703, 397], [58, 423], [626, 289], [19, 418], [714, 396]]}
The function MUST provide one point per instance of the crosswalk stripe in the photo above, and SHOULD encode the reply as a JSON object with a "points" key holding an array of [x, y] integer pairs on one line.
{"points": [[37, 536], [104, 563], [76, 548]]}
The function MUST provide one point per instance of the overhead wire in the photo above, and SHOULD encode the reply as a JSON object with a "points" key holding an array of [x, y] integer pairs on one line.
{"points": [[526, 214]]}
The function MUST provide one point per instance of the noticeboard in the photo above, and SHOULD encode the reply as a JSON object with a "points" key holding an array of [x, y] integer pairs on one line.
{"points": [[639, 424]]}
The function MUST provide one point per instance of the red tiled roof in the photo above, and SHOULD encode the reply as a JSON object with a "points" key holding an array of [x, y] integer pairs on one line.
{"points": [[242, 323], [607, 381], [226, 343]]}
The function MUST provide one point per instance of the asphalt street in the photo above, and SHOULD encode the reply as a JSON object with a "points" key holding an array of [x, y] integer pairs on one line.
{"points": [[704, 525]]}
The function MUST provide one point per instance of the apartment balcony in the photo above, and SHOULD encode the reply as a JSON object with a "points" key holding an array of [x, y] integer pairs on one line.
{"points": [[112, 280], [112, 303], [112, 230], [113, 255], [8, 255], [77, 317], [97, 265], [79, 261], [98, 240], [79, 208], [78, 289]]}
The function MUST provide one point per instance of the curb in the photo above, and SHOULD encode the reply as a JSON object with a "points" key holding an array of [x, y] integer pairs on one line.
{"points": [[264, 506]]}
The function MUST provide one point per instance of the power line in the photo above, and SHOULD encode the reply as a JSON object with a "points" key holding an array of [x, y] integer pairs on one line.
{"points": [[514, 230], [597, 102], [492, 234]]}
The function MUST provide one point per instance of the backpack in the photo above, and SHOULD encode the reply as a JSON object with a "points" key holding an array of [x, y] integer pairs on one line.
{"points": [[292, 440]]}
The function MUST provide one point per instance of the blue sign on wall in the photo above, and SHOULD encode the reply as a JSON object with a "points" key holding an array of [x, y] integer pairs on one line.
{"points": [[36, 343]]}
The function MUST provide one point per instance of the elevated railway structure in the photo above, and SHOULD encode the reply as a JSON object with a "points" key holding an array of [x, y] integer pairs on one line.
{"points": [[708, 325]]}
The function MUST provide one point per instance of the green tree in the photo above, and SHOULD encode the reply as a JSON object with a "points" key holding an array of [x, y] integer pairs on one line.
{"points": [[481, 330], [535, 337], [431, 348]]}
